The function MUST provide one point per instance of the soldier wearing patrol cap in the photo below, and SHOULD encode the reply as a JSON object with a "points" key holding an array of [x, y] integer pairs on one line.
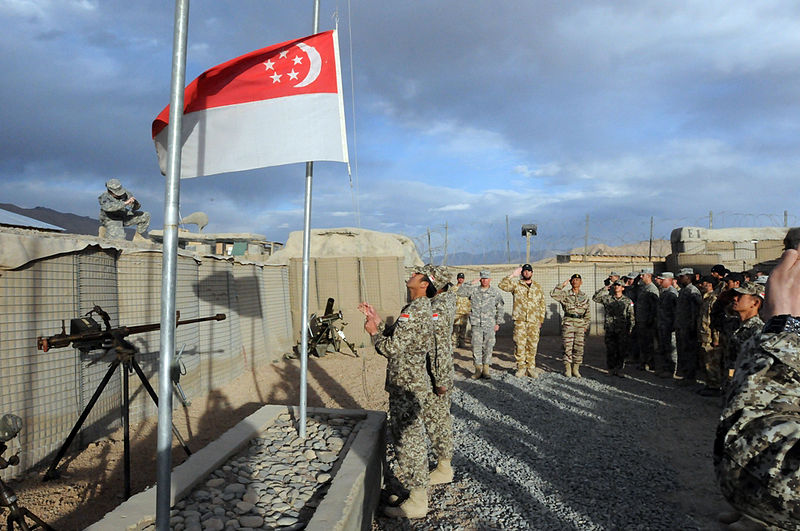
{"points": [[618, 322], [485, 318], [119, 209], [646, 310], [528, 316], [462, 315], [665, 317], [686, 313], [575, 323], [747, 302]]}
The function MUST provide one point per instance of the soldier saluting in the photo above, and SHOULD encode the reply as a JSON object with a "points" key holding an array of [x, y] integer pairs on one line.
{"points": [[575, 323], [619, 321], [528, 316]]}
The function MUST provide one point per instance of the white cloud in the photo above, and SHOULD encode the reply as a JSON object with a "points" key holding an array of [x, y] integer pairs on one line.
{"points": [[450, 208]]}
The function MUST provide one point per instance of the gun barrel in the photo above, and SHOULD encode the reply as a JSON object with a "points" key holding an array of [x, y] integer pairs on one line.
{"points": [[62, 340]]}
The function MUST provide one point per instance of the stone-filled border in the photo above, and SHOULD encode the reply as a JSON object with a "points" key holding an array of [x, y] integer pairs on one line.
{"points": [[349, 504]]}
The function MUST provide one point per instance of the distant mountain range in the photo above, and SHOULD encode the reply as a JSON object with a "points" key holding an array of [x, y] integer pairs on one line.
{"points": [[71, 223]]}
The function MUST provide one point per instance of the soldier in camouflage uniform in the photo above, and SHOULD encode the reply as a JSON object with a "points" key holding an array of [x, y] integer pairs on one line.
{"points": [[406, 345], [755, 452], [436, 411], [709, 339], [667, 302], [686, 312], [119, 209], [646, 311], [619, 321], [462, 315], [575, 323], [485, 318], [747, 301], [528, 316]]}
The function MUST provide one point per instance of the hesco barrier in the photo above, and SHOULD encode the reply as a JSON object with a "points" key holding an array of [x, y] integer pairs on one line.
{"points": [[50, 390]]}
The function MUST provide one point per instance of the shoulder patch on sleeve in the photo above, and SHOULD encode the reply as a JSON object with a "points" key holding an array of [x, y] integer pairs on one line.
{"points": [[404, 317]]}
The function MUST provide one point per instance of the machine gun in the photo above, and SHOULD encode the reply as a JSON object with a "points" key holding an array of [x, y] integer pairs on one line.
{"points": [[86, 335], [323, 334]]}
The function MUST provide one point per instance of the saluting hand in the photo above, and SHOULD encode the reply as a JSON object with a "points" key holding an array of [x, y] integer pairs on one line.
{"points": [[783, 285], [517, 272]]}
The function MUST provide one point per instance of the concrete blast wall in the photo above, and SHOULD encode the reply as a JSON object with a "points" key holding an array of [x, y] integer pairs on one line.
{"points": [[50, 390]]}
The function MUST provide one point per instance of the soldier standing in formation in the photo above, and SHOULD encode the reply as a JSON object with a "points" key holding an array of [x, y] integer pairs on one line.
{"points": [[646, 310], [667, 302], [755, 452], [709, 339], [575, 323], [406, 345], [619, 321], [438, 421], [120, 209], [485, 318], [462, 315], [528, 316], [747, 301], [686, 312]]}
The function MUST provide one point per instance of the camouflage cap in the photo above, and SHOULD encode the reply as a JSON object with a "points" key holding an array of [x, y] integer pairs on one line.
{"points": [[485, 274], [686, 271], [114, 186], [614, 274], [618, 283], [750, 288], [429, 271], [646, 271], [762, 280], [666, 274], [441, 277]]}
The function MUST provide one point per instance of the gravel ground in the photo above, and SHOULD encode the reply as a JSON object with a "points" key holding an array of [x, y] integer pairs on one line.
{"points": [[560, 453], [550, 453]]}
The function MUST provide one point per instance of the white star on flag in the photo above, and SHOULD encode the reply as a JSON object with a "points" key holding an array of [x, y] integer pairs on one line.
{"points": [[292, 74], [297, 60], [276, 78], [269, 64]]}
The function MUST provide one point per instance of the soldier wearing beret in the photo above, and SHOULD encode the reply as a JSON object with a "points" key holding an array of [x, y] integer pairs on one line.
{"points": [[575, 324], [528, 315]]}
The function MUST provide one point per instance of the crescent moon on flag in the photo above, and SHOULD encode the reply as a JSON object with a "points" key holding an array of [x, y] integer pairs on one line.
{"points": [[315, 67]]}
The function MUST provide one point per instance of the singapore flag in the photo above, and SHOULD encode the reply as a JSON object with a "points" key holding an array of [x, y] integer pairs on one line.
{"points": [[273, 106]]}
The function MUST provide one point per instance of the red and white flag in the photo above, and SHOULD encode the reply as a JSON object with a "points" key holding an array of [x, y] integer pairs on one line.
{"points": [[273, 106]]}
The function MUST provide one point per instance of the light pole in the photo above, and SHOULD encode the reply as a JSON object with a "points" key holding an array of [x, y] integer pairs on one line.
{"points": [[528, 231]]}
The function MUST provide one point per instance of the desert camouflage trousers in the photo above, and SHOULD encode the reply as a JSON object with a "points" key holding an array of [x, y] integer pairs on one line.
{"points": [[573, 337], [482, 344], [711, 358], [114, 227], [407, 432], [460, 331], [526, 342], [439, 424], [617, 345]]}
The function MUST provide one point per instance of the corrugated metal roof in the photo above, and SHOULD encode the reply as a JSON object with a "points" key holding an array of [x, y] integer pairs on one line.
{"points": [[15, 220]]}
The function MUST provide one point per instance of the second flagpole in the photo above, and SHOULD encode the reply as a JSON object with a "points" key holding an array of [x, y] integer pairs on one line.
{"points": [[306, 263]]}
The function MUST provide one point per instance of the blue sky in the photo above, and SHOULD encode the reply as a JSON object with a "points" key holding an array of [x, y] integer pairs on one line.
{"points": [[465, 113]]}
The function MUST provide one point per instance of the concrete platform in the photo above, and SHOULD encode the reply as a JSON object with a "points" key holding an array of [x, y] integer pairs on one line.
{"points": [[349, 504]]}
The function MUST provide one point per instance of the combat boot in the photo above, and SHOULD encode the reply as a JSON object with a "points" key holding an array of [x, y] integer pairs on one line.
{"points": [[520, 371], [575, 372], [415, 506], [477, 373], [486, 374], [443, 473], [567, 369], [533, 372]]}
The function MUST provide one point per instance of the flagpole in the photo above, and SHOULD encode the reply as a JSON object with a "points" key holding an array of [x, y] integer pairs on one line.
{"points": [[306, 255], [169, 266]]}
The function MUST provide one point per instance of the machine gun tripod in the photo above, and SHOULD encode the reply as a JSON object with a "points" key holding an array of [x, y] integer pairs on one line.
{"points": [[86, 335], [10, 425]]}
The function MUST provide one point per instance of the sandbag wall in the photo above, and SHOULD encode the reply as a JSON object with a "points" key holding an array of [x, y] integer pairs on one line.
{"points": [[50, 390]]}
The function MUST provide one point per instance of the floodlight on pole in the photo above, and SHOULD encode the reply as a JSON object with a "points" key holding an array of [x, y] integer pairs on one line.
{"points": [[528, 231]]}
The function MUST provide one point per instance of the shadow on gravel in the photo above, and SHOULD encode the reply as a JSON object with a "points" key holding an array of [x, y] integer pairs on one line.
{"points": [[563, 454]]}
